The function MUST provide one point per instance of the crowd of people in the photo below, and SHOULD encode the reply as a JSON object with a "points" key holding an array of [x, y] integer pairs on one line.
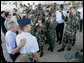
{"points": [[30, 27]]}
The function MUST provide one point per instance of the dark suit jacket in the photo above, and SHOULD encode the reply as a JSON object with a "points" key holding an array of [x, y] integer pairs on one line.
{"points": [[2, 25]]}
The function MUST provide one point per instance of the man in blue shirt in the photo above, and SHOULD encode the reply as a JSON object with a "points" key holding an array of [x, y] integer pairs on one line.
{"points": [[10, 41], [60, 14]]}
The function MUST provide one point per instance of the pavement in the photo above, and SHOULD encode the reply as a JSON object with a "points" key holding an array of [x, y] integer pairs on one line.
{"points": [[54, 56]]}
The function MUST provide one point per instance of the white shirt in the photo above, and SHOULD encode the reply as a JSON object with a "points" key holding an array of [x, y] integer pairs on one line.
{"points": [[59, 16], [33, 7], [20, 10], [31, 43], [81, 12]]}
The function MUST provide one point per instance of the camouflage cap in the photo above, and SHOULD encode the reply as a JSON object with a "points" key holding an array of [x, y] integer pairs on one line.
{"points": [[72, 7]]}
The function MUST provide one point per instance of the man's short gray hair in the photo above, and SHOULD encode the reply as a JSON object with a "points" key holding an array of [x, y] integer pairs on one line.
{"points": [[11, 24]]}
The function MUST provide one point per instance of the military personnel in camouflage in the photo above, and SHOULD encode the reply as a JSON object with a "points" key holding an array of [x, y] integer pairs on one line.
{"points": [[40, 30], [71, 28], [32, 14], [34, 20], [53, 8], [52, 32], [47, 17], [44, 8], [39, 9], [46, 22], [41, 15]]}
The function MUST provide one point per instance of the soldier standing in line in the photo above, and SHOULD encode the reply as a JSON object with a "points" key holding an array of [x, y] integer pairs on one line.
{"points": [[52, 32], [40, 30], [46, 22], [71, 28]]}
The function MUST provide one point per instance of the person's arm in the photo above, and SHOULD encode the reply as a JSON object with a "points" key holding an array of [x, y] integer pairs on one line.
{"points": [[35, 48], [67, 16], [62, 15], [22, 43], [36, 57], [20, 15]]}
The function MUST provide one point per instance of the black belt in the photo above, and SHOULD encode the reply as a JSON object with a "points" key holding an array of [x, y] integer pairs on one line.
{"points": [[60, 23]]}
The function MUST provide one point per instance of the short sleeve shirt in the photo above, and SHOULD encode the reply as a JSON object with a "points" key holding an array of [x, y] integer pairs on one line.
{"points": [[31, 45], [59, 17]]}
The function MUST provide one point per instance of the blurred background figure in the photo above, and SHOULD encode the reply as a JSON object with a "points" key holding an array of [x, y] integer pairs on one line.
{"points": [[81, 16], [4, 30]]}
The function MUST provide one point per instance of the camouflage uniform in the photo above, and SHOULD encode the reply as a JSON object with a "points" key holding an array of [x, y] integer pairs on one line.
{"points": [[32, 27], [52, 34], [25, 58], [71, 28], [34, 21], [78, 57], [39, 9], [39, 32], [53, 9], [46, 22]]}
